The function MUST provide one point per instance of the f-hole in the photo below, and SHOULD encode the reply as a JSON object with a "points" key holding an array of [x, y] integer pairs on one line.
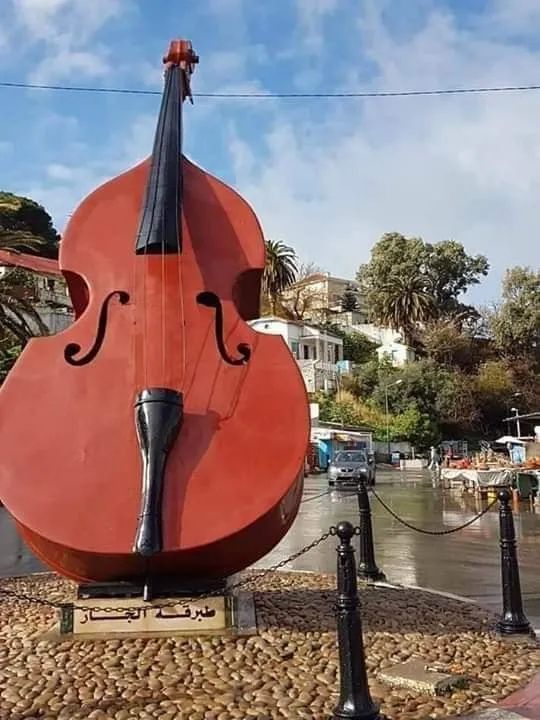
{"points": [[73, 348], [211, 300]]}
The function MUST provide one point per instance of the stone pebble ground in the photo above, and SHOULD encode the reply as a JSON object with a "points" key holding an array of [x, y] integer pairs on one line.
{"points": [[288, 670]]}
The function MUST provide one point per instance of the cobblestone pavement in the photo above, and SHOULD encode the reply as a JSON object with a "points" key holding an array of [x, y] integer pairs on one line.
{"points": [[288, 670]]}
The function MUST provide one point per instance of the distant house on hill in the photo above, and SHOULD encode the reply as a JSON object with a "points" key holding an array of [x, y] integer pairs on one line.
{"points": [[319, 297], [51, 300], [319, 353]]}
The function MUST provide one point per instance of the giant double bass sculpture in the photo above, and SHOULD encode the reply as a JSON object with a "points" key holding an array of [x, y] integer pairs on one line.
{"points": [[159, 434]]}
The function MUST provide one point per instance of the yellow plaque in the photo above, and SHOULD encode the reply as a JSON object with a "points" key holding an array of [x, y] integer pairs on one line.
{"points": [[132, 615]]}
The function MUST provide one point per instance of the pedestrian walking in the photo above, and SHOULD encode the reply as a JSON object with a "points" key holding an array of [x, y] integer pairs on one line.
{"points": [[435, 462]]}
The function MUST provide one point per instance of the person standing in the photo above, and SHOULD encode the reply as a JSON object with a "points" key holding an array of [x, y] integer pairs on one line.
{"points": [[435, 461]]}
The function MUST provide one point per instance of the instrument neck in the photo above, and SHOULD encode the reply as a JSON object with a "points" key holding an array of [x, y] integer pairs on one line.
{"points": [[160, 227]]}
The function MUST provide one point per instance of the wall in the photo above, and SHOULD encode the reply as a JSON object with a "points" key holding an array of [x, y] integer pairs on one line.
{"points": [[396, 353]]}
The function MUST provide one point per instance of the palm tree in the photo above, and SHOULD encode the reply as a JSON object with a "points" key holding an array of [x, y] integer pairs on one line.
{"points": [[405, 301], [18, 316], [279, 272]]}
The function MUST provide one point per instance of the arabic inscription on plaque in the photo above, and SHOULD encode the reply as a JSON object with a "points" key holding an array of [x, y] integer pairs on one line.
{"points": [[131, 615]]}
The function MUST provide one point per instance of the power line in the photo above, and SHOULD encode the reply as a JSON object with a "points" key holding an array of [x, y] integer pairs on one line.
{"points": [[262, 96]]}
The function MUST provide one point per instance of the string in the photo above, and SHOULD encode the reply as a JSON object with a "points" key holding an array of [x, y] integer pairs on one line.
{"points": [[182, 328]]}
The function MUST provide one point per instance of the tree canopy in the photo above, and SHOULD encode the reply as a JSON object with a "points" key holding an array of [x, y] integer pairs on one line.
{"points": [[23, 219], [349, 300], [516, 323], [408, 281]]}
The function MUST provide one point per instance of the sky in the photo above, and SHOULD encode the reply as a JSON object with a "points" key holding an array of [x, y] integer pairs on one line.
{"points": [[326, 176]]}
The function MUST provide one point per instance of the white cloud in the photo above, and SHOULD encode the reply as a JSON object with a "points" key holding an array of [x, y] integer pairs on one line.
{"points": [[4, 40], [312, 14], [521, 17], [59, 172], [460, 167], [61, 33], [67, 184], [78, 19]]}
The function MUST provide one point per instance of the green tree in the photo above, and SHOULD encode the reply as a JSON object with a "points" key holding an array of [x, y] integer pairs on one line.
{"points": [[492, 389], [279, 272], [364, 379], [18, 316], [23, 218], [19, 319], [415, 427], [424, 385], [357, 348], [453, 272], [349, 300], [10, 350], [445, 342], [402, 269], [516, 323]]}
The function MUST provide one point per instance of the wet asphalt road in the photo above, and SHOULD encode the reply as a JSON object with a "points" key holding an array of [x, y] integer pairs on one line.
{"points": [[465, 563]]}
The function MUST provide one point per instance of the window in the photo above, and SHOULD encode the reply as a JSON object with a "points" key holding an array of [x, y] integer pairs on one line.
{"points": [[294, 349]]}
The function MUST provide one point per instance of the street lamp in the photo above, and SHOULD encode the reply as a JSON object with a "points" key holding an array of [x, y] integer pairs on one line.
{"points": [[514, 397], [518, 427], [397, 382]]}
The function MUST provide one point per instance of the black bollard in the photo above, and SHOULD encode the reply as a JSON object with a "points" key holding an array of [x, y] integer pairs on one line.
{"points": [[367, 567], [355, 702], [513, 620]]}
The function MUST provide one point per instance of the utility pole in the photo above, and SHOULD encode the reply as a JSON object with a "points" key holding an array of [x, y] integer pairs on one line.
{"points": [[518, 426], [397, 382]]}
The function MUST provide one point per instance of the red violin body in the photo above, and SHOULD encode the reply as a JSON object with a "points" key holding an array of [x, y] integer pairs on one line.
{"points": [[159, 434]]}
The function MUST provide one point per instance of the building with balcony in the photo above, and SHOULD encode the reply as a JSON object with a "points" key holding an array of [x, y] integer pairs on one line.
{"points": [[53, 302], [319, 353], [50, 299], [319, 297]]}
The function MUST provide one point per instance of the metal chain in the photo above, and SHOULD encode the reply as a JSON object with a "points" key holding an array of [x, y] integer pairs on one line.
{"points": [[433, 532], [178, 602], [31, 598]]}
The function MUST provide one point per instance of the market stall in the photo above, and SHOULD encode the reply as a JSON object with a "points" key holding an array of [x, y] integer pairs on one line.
{"points": [[489, 469], [478, 478]]}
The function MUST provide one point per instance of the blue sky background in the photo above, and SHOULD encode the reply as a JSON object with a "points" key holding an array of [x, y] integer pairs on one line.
{"points": [[325, 176]]}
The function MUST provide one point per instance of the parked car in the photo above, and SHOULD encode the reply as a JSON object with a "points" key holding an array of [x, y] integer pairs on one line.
{"points": [[349, 465]]}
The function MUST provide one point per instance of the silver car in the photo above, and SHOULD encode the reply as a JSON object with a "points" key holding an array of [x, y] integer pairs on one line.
{"points": [[349, 465]]}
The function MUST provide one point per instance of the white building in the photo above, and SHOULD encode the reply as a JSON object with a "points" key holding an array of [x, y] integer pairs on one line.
{"points": [[318, 353], [54, 305], [390, 343], [318, 298], [51, 302]]}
